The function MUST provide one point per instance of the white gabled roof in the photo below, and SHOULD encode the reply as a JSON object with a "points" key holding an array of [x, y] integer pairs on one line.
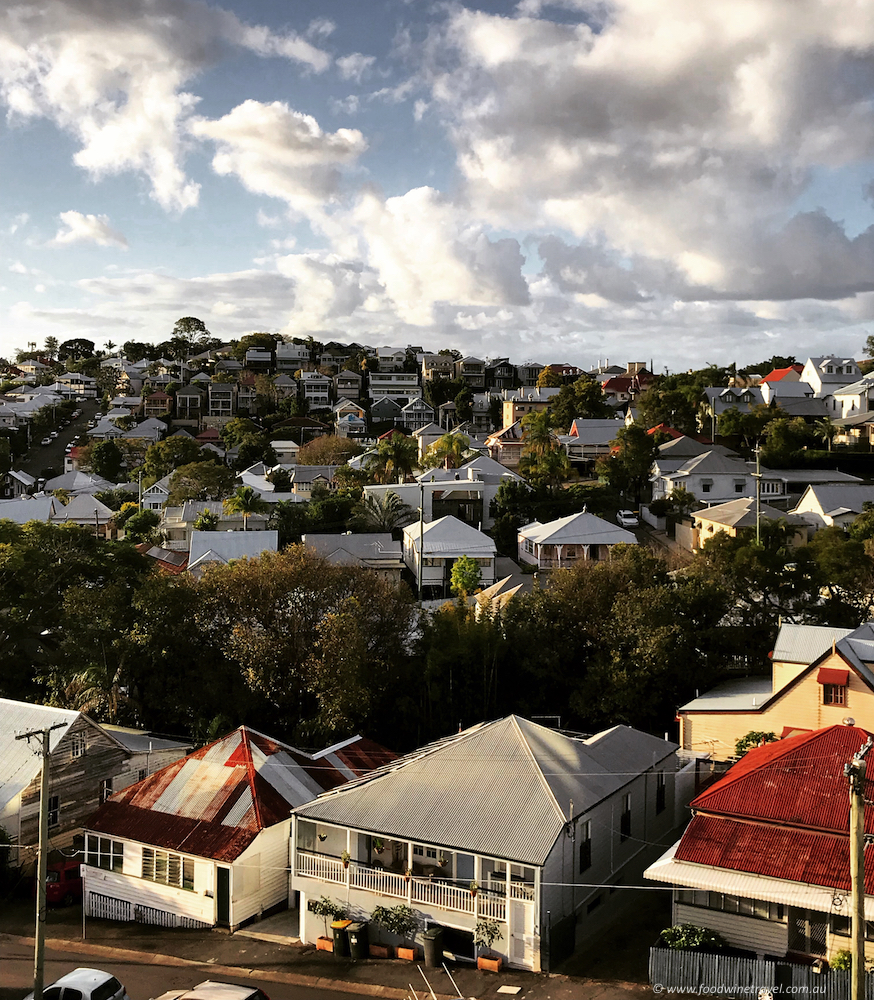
{"points": [[577, 529], [449, 537], [19, 763]]}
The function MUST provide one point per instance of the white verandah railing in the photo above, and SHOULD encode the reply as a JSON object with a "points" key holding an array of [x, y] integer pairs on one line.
{"points": [[414, 890]]}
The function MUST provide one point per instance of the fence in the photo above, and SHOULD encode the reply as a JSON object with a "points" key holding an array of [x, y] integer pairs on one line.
{"points": [[704, 973]]}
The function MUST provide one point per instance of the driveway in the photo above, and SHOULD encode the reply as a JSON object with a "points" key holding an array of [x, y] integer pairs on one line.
{"points": [[44, 457]]}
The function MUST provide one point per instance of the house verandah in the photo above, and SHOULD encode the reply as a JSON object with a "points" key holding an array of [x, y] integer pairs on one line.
{"points": [[438, 886]]}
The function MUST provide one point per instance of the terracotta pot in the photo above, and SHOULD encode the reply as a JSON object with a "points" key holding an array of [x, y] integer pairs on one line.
{"points": [[324, 944], [489, 964], [380, 951], [408, 954]]}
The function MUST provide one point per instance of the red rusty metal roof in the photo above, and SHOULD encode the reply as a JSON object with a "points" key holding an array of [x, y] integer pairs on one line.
{"points": [[214, 802], [798, 781]]}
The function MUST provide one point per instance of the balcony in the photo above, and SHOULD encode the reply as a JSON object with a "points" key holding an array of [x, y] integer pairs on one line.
{"points": [[490, 901]]}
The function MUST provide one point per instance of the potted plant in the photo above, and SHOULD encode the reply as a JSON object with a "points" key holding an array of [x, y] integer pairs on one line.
{"points": [[408, 874], [324, 908], [345, 857], [444, 861], [474, 888], [381, 916], [403, 921], [378, 846], [486, 932]]}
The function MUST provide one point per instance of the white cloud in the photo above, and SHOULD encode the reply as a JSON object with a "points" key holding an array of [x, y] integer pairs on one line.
{"points": [[280, 152], [355, 66], [79, 228], [426, 251], [676, 132], [113, 75]]}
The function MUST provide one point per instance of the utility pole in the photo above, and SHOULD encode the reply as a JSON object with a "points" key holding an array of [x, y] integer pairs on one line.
{"points": [[757, 475], [42, 854], [421, 536], [855, 772]]}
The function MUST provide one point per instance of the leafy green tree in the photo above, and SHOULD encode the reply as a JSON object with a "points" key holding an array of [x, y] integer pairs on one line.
{"points": [[748, 426], [200, 481], [784, 439], [464, 404], [164, 456], [466, 576], [549, 379], [78, 347], [628, 469], [752, 739], [677, 408], [142, 526], [281, 480], [106, 460], [246, 501], [581, 400], [328, 449]]}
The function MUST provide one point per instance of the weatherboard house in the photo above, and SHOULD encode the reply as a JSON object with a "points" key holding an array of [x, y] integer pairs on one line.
{"points": [[204, 841], [508, 821]]}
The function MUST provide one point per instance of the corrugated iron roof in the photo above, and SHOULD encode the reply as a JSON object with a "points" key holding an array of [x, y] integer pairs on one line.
{"points": [[805, 643], [215, 801], [19, 760], [464, 792], [797, 781]]}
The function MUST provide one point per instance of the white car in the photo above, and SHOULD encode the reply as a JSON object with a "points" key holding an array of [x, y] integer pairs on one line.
{"points": [[46, 440], [53, 434], [628, 519], [85, 984], [216, 991]]}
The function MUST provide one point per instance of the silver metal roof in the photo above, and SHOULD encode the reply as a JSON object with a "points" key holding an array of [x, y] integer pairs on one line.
{"points": [[501, 789], [19, 759], [740, 694], [805, 643]]}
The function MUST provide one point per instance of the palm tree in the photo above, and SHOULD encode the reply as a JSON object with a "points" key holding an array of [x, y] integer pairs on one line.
{"points": [[450, 450], [382, 512], [395, 458], [826, 430], [98, 690], [537, 434], [246, 501]]}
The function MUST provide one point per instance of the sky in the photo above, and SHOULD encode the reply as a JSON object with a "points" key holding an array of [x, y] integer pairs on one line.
{"points": [[679, 181]]}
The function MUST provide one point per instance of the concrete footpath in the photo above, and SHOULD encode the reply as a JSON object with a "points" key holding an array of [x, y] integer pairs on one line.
{"points": [[281, 960]]}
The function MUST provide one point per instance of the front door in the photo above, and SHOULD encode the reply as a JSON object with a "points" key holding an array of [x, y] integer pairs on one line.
{"points": [[223, 897], [522, 933], [807, 932]]}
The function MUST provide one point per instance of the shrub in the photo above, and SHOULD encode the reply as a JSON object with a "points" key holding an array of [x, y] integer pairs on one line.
{"points": [[842, 960], [689, 936], [325, 907], [486, 932], [752, 739]]}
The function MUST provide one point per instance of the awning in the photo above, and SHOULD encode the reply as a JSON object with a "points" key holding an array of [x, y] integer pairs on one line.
{"points": [[775, 890], [833, 675]]}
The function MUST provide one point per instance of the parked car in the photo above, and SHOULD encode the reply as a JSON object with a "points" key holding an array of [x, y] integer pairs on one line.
{"points": [[628, 519], [46, 440], [216, 991], [53, 434], [63, 883], [85, 984]]}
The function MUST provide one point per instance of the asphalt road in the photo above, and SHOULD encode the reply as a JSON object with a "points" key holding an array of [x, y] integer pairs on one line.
{"points": [[45, 456], [141, 980]]}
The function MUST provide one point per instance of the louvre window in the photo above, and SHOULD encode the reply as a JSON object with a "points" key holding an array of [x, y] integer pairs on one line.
{"points": [[167, 868]]}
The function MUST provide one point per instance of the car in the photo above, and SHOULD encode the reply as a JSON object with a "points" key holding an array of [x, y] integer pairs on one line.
{"points": [[63, 883], [53, 434], [85, 984], [46, 440], [627, 518], [210, 990]]}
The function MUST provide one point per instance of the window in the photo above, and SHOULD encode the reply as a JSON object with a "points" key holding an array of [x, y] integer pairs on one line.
{"points": [[661, 792], [105, 790], [586, 846], [77, 745], [101, 852], [834, 694], [625, 818], [167, 868], [757, 908], [739, 485], [54, 811], [706, 487], [141, 774]]}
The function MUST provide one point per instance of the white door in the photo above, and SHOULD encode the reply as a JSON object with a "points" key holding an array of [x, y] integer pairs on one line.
{"points": [[522, 933]]}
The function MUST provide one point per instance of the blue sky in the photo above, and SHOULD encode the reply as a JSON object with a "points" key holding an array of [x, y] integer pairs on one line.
{"points": [[564, 181]]}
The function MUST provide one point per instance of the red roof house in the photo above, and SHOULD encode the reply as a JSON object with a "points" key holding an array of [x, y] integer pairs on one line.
{"points": [[790, 374], [765, 860], [204, 841]]}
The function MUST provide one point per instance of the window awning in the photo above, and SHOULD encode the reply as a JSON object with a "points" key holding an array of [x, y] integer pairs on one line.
{"points": [[833, 675]]}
